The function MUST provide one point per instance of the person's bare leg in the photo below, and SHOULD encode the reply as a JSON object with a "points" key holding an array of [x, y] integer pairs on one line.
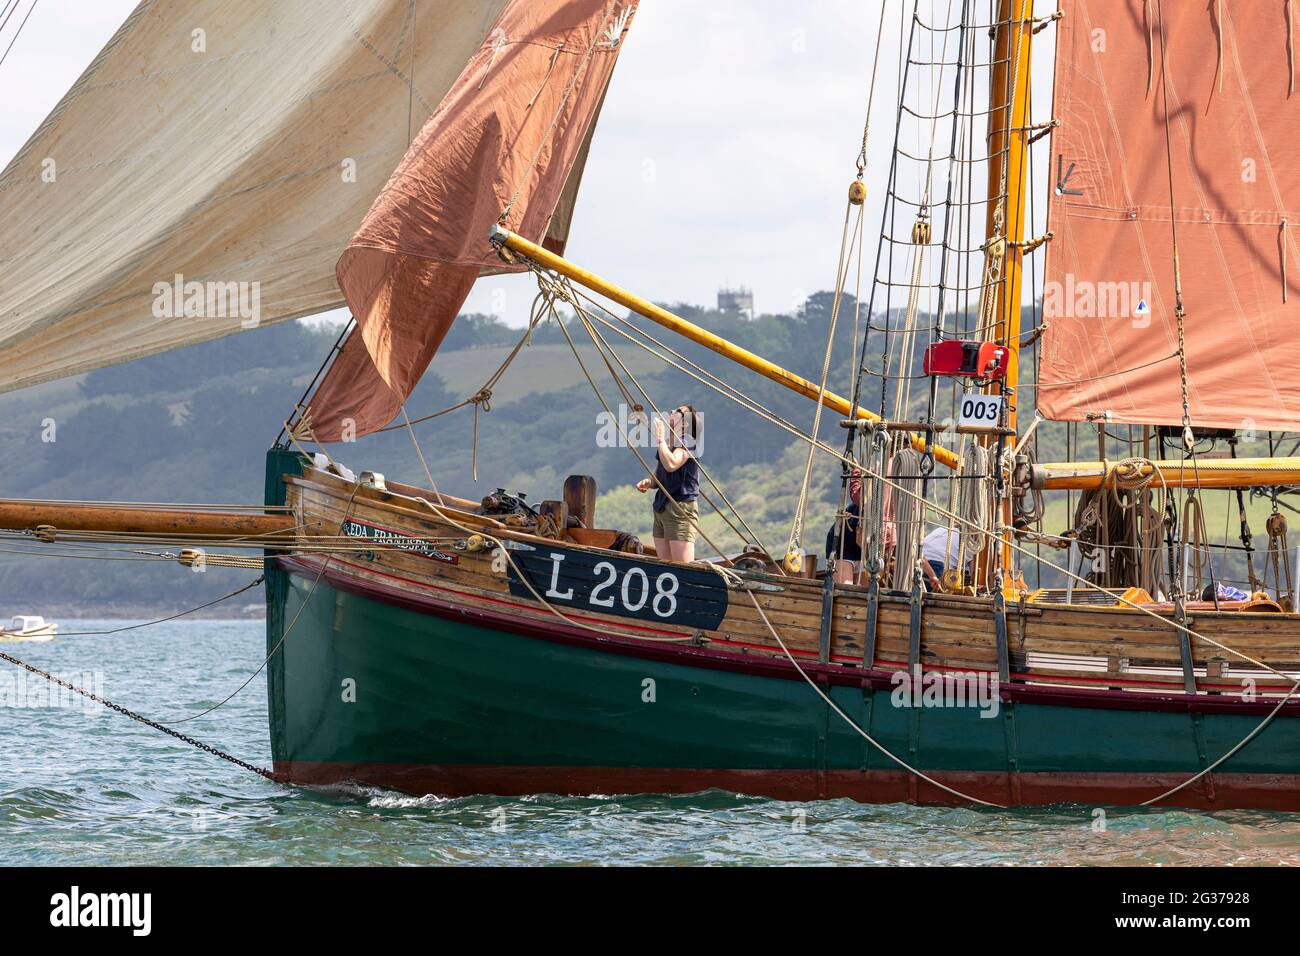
{"points": [[663, 548], [846, 572], [683, 551]]}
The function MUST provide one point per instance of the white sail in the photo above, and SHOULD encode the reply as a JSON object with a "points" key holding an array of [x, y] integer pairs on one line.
{"points": [[206, 171]]}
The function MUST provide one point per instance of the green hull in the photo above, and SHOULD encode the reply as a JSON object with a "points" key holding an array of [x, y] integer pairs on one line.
{"points": [[427, 700], [415, 692]]}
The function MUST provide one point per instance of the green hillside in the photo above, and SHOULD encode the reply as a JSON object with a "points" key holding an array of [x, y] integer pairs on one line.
{"points": [[193, 426]]}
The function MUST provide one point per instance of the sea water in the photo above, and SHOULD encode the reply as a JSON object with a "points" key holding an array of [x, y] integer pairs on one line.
{"points": [[80, 784]]}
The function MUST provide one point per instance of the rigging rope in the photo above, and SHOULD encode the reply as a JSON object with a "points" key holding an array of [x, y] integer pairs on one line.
{"points": [[581, 68], [1194, 537], [558, 290], [1278, 560], [905, 468], [605, 348], [1290, 67], [735, 394], [976, 505], [1180, 312], [419, 453], [871, 92], [1241, 743], [483, 396], [793, 561], [284, 634], [18, 32]]}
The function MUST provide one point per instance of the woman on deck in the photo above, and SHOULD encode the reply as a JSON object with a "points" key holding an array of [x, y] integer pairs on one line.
{"points": [[676, 514]]}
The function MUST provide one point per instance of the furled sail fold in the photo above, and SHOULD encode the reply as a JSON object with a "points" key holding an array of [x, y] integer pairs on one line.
{"points": [[206, 171], [511, 135], [1109, 296]]}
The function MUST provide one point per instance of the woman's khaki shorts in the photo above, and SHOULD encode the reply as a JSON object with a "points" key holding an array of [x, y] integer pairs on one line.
{"points": [[677, 522]]}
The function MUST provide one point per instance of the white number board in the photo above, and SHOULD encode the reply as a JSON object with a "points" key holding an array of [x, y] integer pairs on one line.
{"points": [[980, 411]]}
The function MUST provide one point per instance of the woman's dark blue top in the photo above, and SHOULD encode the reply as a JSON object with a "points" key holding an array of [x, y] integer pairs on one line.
{"points": [[852, 547], [683, 484]]}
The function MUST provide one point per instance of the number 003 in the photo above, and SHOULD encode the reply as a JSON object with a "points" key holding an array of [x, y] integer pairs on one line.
{"points": [[980, 410]]}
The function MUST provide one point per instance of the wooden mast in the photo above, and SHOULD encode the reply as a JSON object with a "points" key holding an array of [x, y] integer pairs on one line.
{"points": [[1008, 176], [1009, 131]]}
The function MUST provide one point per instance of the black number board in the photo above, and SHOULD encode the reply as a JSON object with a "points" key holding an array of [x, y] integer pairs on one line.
{"points": [[661, 593]]}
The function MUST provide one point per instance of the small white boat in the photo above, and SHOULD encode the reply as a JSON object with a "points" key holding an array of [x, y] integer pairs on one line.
{"points": [[28, 627]]}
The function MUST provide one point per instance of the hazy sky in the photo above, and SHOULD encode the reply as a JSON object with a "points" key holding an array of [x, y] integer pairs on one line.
{"points": [[725, 148]]}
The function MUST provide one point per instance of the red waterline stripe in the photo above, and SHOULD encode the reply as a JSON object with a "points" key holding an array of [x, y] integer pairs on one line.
{"points": [[1021, 788]]}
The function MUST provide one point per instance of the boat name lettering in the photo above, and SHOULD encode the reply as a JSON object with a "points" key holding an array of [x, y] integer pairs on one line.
{"points": [[394, 539]]}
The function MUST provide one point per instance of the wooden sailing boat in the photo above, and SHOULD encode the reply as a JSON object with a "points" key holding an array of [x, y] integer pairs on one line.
{"points": [[436, 644]]}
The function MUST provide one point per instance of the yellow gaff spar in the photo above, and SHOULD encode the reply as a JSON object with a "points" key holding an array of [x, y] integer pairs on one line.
{"points": [[504, 238]]}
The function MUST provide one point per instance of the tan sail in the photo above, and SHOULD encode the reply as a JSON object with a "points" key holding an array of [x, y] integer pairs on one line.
{"points": [[224, 142], [1109, 299]]}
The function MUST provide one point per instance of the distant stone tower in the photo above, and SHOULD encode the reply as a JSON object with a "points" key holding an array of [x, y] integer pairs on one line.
{"points": [[739, 299]]}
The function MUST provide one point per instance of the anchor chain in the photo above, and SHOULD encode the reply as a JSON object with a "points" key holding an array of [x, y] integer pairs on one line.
{"points": [[207, 748]]}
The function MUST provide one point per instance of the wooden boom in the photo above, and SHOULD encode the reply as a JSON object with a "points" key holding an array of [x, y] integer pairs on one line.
{"points": [[1210, 473], [128, 519], [675, 323]]}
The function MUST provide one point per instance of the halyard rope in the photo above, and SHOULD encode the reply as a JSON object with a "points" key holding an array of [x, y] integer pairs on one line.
{"points": [[603, 345], [841, 276], [581, 68], [651, 472]]}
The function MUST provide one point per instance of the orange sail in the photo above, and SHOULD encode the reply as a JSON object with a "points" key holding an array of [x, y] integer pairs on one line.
{"points": [[1112, 342], [512, 136]]}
